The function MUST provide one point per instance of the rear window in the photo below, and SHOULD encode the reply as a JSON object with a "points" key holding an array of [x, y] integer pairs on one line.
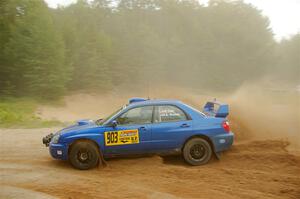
{"points": [[168, 113], [196, 110]]}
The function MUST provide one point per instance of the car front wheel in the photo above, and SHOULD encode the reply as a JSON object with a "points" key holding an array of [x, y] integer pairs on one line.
{"points": [[197, 151], [84, 155]]}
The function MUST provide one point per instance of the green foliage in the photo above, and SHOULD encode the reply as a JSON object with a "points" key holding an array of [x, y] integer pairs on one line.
{"points": [[33, 53], [88, 47], [21, 112], [100, 45]]}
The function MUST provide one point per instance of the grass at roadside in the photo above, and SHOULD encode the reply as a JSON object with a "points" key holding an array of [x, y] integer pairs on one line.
{"points": [[20, 113]]}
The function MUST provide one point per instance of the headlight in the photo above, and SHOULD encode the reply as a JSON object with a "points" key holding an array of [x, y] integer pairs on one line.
{"points": [[55, 139]]}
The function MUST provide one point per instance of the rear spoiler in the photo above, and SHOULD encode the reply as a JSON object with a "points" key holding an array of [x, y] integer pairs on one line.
{"points": [[216, 109]]}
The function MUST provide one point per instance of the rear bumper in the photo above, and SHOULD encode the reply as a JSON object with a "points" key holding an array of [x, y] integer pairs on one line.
{"points": [[58, 151], [223, 142]]}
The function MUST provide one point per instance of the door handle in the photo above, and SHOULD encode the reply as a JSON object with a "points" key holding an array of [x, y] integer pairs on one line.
{"points": [[142, 128], [185, 125]]}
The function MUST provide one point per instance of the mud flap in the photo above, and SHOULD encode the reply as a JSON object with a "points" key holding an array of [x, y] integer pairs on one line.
{"points": [[218, 155], [102, 162]]}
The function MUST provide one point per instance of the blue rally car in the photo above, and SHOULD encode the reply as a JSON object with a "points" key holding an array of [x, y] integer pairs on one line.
{"points": [[145, 126]]}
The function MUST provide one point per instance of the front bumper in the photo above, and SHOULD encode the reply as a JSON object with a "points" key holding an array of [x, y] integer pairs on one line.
{"points": [[58, 151], [223, 142]]}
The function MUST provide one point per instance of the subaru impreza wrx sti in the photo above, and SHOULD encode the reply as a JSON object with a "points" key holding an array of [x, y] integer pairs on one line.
{"points": [[145, 126]]}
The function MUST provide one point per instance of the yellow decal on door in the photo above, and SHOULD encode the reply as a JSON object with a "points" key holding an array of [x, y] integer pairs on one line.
{"points": [[121, 137]]}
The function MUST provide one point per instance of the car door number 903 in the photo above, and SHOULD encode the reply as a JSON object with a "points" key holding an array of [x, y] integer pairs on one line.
{"points": [[111, 137], [130, 136]]}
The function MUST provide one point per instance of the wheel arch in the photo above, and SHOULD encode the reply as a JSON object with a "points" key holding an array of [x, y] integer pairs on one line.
{"points": [[205, 137], [83, 140]]}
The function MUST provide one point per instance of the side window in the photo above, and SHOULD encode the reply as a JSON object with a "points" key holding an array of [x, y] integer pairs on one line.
{"points": [[139, 115], [168, 113]]}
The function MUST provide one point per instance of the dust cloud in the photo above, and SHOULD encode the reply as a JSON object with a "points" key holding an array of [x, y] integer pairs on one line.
{"points": [[261, 112]]}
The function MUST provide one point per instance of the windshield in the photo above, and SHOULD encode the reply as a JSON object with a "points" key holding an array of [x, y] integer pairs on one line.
{"points": [[102, 121]]}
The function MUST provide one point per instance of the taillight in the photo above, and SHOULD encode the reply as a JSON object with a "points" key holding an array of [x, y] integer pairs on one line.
{"points": [[226, 126]]}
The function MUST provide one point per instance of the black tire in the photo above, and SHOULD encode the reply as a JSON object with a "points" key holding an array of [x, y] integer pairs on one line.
{"points": [[84, 155], [197, 151]]}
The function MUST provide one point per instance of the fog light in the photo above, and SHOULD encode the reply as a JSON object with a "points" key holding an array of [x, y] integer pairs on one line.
{"points": [[59, 152], [222, 141]]}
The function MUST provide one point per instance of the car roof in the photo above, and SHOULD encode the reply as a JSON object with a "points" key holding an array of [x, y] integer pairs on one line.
{"points": [[154, 102]]}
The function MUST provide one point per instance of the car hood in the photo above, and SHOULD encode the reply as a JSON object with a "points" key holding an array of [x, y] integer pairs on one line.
{"points": [[80, 125]]}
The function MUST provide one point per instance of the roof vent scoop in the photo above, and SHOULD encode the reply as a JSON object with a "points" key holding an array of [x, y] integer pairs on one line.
{"points": [[136, 99]]}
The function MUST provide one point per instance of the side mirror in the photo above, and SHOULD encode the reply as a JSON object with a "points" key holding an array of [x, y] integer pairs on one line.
{"points": [[114, 123]]}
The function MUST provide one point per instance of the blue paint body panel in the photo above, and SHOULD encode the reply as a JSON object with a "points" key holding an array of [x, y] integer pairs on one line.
{"points": [[153, 137]]}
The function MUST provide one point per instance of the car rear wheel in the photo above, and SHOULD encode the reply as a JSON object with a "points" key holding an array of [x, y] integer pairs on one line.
{"points": [[84, 155], [197, 151]]}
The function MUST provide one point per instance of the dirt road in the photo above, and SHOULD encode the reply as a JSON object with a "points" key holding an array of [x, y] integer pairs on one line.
{"points": [[253, 169]]}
